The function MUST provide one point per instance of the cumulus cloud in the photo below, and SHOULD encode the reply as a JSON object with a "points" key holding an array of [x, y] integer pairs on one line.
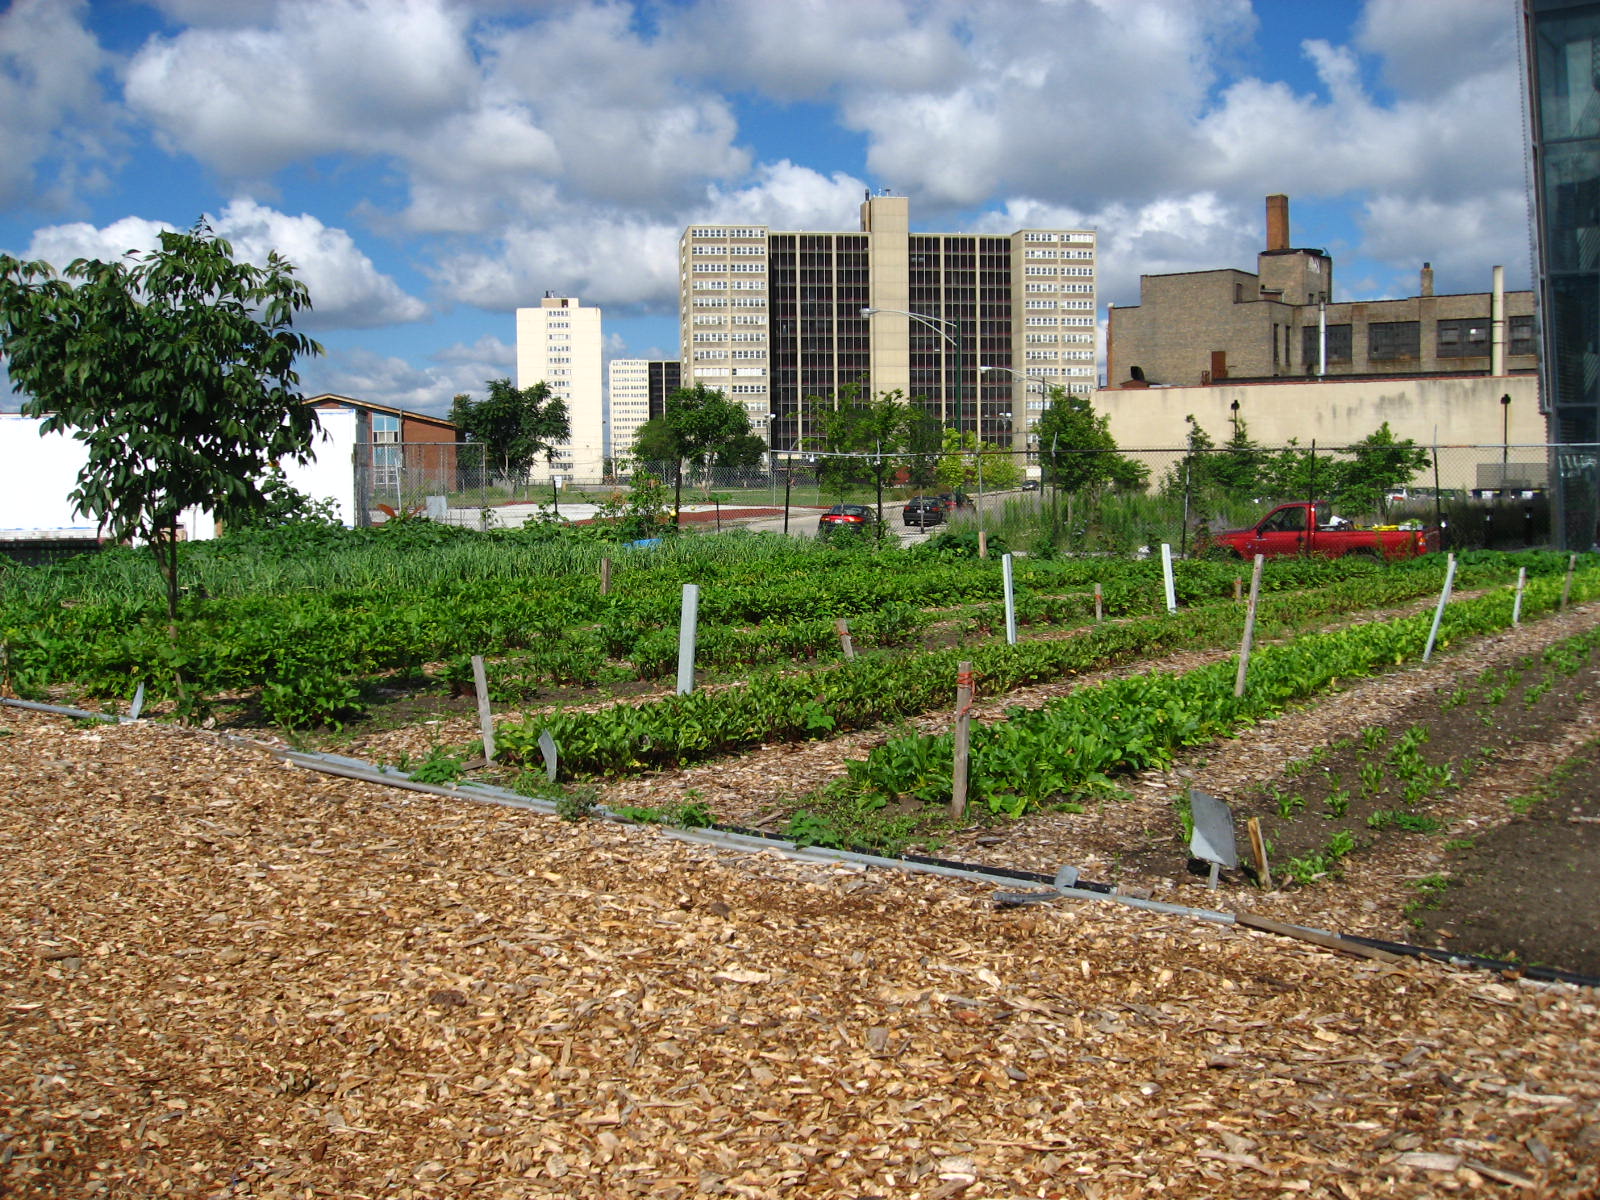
{"points": [[1464, 239], [1427, 49], [320, 76], [53, 118], [347, 290], [388, 379]]}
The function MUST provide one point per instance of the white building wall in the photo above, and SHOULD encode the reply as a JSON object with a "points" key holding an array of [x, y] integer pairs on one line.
{"points": [[39, 471], [559, 343]]}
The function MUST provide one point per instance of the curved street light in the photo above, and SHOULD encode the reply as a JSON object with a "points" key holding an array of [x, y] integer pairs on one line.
{"points": [[941, 326]]}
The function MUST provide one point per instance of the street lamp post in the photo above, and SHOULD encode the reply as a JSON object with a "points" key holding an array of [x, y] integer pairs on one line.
{"points": [[1505, 440], [941, 326]]}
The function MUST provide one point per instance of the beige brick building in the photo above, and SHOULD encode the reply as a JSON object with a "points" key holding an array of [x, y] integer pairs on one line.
{"points": [[1282, 322]]}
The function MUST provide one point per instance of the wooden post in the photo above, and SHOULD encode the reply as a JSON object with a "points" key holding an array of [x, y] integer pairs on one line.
{"points": [[963, 736], [1258, 851], [1238, 588], [983, 543], [1516, 605], [1444, 598], [1099, 605], [605, 576], [845, 640], [480, 680], [1566, 588], [1249, 626]]}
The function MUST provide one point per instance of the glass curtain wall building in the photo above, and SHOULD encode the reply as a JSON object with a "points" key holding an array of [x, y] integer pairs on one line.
{"points": [[1562, 46]]}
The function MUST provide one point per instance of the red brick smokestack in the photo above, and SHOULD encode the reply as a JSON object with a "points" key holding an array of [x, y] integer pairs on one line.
{"points": [[1277, 222]]}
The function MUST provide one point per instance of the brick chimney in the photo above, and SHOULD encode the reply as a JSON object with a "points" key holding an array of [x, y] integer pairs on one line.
{"points": [[1277, 222], [1427, 279]]}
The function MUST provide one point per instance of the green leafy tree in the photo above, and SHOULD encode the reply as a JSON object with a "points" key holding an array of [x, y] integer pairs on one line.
{"points": [[701, 429], [513, 425], [175, 369], [860, 439], [1379, 463], [965, 463], [1076, 449]]}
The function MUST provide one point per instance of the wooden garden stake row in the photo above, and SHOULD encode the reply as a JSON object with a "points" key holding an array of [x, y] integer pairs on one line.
{"points": [[963, 740]]}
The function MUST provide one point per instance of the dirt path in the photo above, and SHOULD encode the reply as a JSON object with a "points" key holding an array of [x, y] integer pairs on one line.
{"points": [[223, 977]]}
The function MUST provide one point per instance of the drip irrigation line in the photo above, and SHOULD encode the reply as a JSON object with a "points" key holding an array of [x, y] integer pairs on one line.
{"points": [[738, 838]]}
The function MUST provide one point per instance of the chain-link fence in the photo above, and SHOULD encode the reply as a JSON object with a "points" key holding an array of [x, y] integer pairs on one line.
{"points": [[1498, 496]]}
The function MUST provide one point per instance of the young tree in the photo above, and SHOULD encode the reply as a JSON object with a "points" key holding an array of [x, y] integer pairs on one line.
{"points": [[701, 428], [513, 425], [965, 463], [175, 368], [1380, 464], [1076, 448], [866, 435]]}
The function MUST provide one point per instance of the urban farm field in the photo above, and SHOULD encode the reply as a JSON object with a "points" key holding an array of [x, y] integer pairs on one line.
{"points": [[223, 976]]}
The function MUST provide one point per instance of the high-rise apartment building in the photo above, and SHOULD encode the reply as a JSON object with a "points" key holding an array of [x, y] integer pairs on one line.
{"points": [[638, 393], [559, 343], [775, 319]]}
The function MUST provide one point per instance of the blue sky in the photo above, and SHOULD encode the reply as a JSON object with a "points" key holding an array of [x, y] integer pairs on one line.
{"points": [[430, 166]]}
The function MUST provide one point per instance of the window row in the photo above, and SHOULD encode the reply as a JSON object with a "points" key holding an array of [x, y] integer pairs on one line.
{"points": [[727, 231]]}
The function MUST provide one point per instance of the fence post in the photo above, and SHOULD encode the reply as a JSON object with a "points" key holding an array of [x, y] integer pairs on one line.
{"points": [[605, 576], [1099, 605], [962, 739]]}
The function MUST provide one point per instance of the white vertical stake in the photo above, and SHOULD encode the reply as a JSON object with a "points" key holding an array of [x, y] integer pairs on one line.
{"points": [[1249, 626], [1516, 605], [1166, 573], [1011, 599], [1566, 588], [686, 636], [480, 681], [1438, 613]]}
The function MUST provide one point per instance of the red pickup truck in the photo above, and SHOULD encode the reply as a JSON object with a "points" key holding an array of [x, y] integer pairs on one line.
{"points": [[1313, 529]]}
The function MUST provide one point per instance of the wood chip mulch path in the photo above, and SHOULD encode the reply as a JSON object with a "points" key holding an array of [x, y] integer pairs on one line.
{"points": [[225, 977]]}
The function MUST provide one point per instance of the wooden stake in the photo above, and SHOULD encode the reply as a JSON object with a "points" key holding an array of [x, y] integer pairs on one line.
{"points": [[1238, 588], [605, 576], [1328, 941], [1258, 851], [1516, 605], [1566, 588], [963, 739], [983, 543], [845, 639], [1249, 626], [485, 717], [1099, 606]]}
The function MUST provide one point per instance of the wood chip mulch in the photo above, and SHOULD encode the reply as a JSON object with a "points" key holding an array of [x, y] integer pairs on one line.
{"points": [[225, 977]]}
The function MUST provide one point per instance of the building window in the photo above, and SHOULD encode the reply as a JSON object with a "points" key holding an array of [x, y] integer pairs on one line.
{"points": [[1391, 340], [1338, 344], [1464, 337], [1521, 336]]}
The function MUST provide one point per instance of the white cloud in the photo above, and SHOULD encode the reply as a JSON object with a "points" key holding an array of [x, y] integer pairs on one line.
{"points": [[53, 118], [784, 195], [347, 290], [386, 379], [1427, 49], [358, 76], [1464, 238]]}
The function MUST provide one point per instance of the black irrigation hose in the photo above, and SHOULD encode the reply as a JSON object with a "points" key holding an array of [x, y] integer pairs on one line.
{"points": [[337, 764]]}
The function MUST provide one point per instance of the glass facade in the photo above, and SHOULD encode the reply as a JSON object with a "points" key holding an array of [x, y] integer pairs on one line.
{"points": [[1563, 58]]}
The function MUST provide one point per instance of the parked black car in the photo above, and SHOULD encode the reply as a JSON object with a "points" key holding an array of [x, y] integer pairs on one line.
{"points": [[923, 511], [845, 517], [1030, 485]]}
